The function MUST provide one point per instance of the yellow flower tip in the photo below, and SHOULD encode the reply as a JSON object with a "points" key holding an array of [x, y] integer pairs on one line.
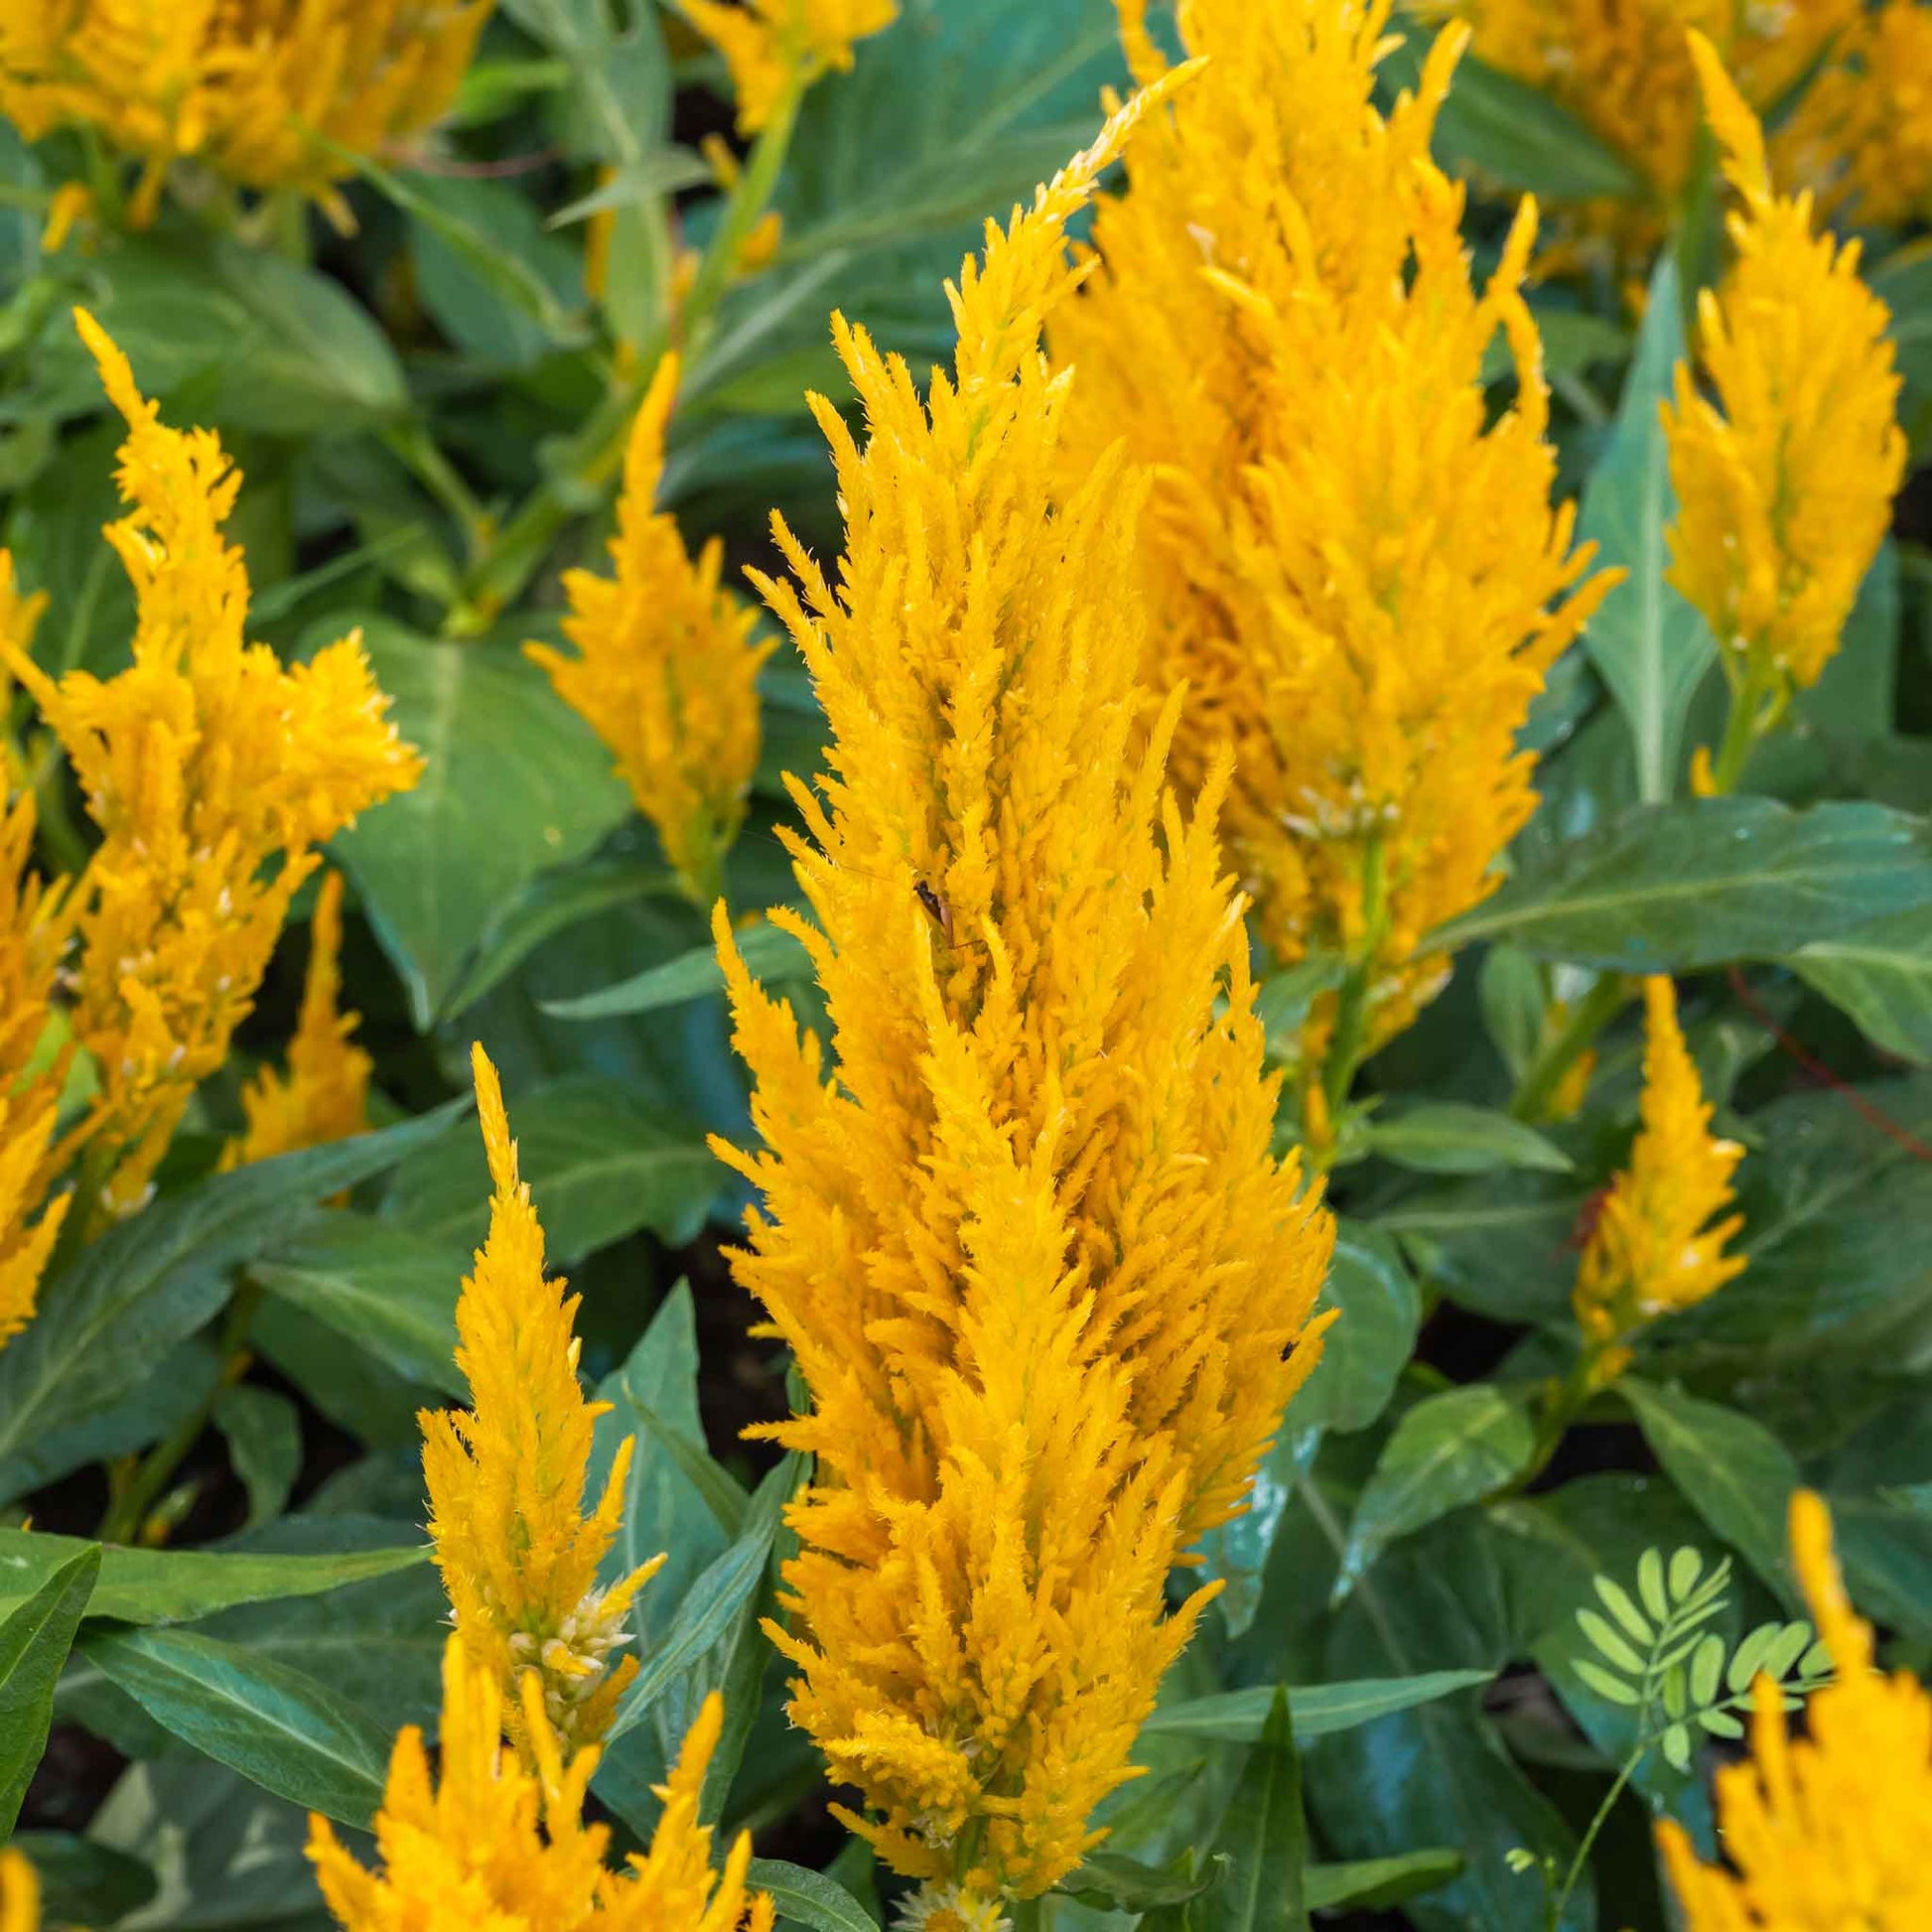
{"points": [[116, 372], [1731, 121], [1847, 1636], [72, 202], [20, 1893], [494, 1116]]}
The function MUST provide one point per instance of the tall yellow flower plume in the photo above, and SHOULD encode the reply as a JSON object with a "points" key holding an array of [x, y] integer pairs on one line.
{"points": [[323, 1095], [1826, 1831], [492, 1842], [1653, 1249], [776, 48], [1026, 1240], [666, 671], [244, 87], [518, 1556], [1625, 71], [1784, 483], [1354, 570], [20, 1893], [212, 773]]}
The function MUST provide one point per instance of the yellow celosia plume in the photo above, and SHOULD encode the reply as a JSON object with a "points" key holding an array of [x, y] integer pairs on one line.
{"points": [[495, 1844], [212, 773], [667, 670], [1785, 482], [1625, 71], [241, 85], [1653, 1249], [776, 48], [1355, 572], [20, 1893], [323, 1095], [1026, 1240], [1828, 1831], [518, 1556]]}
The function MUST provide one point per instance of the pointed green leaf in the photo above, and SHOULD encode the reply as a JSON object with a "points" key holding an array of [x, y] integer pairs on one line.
{"points": [[1373, 1885], [1265, 1837], [1449, 1137], [34, 1644], [1316, 1710], [772, 955], [807, 1897]]}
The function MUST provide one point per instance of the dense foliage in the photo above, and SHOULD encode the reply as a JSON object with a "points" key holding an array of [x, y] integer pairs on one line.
{"points": [[1156, 778]]}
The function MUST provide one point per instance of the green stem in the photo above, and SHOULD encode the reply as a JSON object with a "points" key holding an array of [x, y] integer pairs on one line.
{"points": [[1593, 1013], [1032, 1914], [1756, 704], [1582, 1859], [1347, 1043], [414, 446], [128, 1509], [576, 483]]}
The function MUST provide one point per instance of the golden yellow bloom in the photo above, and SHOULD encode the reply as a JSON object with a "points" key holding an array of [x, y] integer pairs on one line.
{"points": [[1025, 1240], [212, 772], [1784, 483], [1825, 1833], [518, 1556], [1625, 71], [494, 1844], [324, 1096], [1355, 572], [1652, 1251], [242, 85], [776, 49], [20, 1893], [666, 671], [1862, 132]]}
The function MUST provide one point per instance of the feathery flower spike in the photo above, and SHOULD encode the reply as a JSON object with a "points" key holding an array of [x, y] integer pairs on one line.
{"points": [[1828, 1831], [1026, 1240], [518, 1556], [667, 670], [241, 88], [1349, 561], [20, 1893], [1654, 1249], [494, 1841], [775, 48], [323, 1095], [212, 773], [1785, 484]]}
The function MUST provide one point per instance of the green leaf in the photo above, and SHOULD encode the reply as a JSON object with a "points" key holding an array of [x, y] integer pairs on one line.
{"points": [[1881, 973], [178, 1586], [278, 1727], [1903, 282], [809, 1898], [1317, 1709], [153, 1279], [1111, 1881], [516, 783], [1448, 1450], [1607, 1684], [388, 1289], [1264, 1836], [1733, 1471], [770, 954], [81, 1882], [264, 1435], [597, 1164], [1516, 137], [1675, 888], [1651, 647], [1503, 1245], [34, 1643], [1450, 1137], [1376, 1883], [1364, 1353]]}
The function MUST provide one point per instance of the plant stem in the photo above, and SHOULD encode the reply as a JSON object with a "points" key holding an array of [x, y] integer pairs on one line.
{"points": [[414, 446], [1594, 1012], [1347, 1042], [1755, 706], [1578, 1862], [576, 484], [125, 1512], [1032, 1914]]}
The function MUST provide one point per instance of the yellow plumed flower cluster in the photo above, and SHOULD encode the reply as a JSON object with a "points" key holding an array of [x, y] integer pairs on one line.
{"points": [[1355, 571], [1861, 134], [776, 49], [323, 1095], [212, 773], [518, 1556], [1625, 71], [1784, 483], [1027, 1241], [498, 1845], [20, 1893], [667, 670], [1828, 1831], [1653, 1249], [242, 85]]}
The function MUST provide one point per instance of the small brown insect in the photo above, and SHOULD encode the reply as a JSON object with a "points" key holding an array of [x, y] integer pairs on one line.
{"points": [[936, 909]]}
